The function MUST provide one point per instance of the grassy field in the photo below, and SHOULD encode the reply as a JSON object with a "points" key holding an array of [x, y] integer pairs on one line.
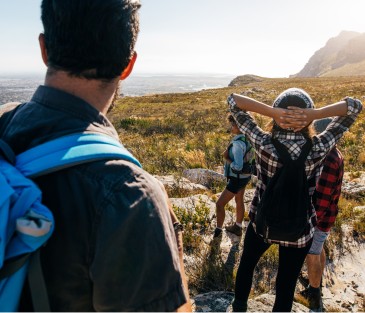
{"points": [[172, 132]]}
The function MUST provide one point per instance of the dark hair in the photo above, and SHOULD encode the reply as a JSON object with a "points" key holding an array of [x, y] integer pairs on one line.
{"points": [[231, 120], [92, 39]]}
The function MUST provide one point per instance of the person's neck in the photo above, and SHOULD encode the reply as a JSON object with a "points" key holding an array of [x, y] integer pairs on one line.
{"points": [[98, 94]]}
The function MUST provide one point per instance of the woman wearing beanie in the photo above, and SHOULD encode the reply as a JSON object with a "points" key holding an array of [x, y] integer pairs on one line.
{"points": [[292, 113]]}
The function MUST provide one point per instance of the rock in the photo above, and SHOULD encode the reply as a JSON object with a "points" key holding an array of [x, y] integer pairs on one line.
{"points": [[357, 177], [171, 182], [215, 301], [359, 209], [353, 189], [220, 301], [193, 201], [345, 276], [205, 177], [249, 194], [354, 184], [268, 300]]}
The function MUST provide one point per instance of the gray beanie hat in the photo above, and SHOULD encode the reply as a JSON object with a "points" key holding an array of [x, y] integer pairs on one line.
{"points": [[321, 125], [293, 97]]}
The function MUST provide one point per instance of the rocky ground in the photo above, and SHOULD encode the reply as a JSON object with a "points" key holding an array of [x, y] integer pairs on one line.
{"points": [[220, 301], [344, 277]]}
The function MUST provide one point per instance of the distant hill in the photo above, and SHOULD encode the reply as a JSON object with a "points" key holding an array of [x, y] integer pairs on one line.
{"points": [[246, 79], [343, 55]]}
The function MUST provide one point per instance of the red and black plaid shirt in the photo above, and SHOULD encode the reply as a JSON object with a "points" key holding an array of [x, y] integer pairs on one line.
{"points": [[328, 190], [267, 159]]}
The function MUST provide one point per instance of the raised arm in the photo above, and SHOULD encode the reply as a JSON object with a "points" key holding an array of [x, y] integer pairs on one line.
{"points": [[252, 105], [335, 109]]}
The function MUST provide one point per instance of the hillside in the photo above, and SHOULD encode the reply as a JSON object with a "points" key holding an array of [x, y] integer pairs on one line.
{"points": [[171, 132], [343, 55]]}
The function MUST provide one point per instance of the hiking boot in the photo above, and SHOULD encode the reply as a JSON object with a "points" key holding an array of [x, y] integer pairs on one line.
{"points": [[234, 229], [216, 240], [315, 299], [218, 233]]}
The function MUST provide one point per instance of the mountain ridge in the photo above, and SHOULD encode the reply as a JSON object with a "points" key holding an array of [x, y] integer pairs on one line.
{"points": [[343, 55]]}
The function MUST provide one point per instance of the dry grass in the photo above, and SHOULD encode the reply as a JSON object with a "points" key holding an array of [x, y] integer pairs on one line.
{"points": [[170, 132]]}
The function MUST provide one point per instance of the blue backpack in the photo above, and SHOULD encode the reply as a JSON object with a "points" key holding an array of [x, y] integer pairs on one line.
{"points": [[248, 157], [25, 223]]}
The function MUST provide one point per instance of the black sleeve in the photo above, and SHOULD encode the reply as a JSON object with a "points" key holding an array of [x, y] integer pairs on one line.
{"points": [[139, 269]]}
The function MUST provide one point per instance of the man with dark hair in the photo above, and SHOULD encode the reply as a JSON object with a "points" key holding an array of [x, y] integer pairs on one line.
{"points": [[114, 247], [325, 200]]}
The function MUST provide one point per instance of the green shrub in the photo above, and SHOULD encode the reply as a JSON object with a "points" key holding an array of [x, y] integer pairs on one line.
{"points": [[265, 271], [196, 221], [210, 272]]}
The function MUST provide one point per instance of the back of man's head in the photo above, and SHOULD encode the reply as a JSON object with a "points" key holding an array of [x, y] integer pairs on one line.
{"points": [[92, 39]]}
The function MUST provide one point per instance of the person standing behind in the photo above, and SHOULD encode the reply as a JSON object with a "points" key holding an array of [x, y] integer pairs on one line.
{"points": [[292, 113], [115, 247], [325, 200], [238, 172]]}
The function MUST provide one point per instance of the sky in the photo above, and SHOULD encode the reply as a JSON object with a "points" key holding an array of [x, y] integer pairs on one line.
{"points": [[271, 38]]}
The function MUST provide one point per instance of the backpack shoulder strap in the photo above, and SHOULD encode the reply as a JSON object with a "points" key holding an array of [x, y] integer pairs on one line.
{"points": [[49, 157], [282, 151], [305, 151], [69, 151], [284, 154]]}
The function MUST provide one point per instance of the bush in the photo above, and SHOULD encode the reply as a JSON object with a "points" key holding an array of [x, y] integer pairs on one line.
{"points": [[196, 221]]}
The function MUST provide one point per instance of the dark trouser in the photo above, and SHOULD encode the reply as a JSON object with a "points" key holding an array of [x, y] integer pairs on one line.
{"points": [[290, 264]]}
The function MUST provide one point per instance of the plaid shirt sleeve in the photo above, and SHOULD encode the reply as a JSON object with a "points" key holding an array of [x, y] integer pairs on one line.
{"points": [[339, 125], [328, 190]]}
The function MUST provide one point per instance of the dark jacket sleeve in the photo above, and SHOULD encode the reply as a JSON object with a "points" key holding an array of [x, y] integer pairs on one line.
{"points": [[139, 268]]}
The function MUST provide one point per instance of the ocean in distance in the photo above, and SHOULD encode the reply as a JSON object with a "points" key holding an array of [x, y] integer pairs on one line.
{"points": [[20, 89]]}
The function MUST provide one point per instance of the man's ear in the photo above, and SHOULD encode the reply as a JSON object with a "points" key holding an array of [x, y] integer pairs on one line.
{"points": [[129, 68], [42, 45]]}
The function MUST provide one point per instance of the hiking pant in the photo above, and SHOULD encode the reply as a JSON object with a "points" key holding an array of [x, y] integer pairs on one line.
{"points": [[290, 264]]}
